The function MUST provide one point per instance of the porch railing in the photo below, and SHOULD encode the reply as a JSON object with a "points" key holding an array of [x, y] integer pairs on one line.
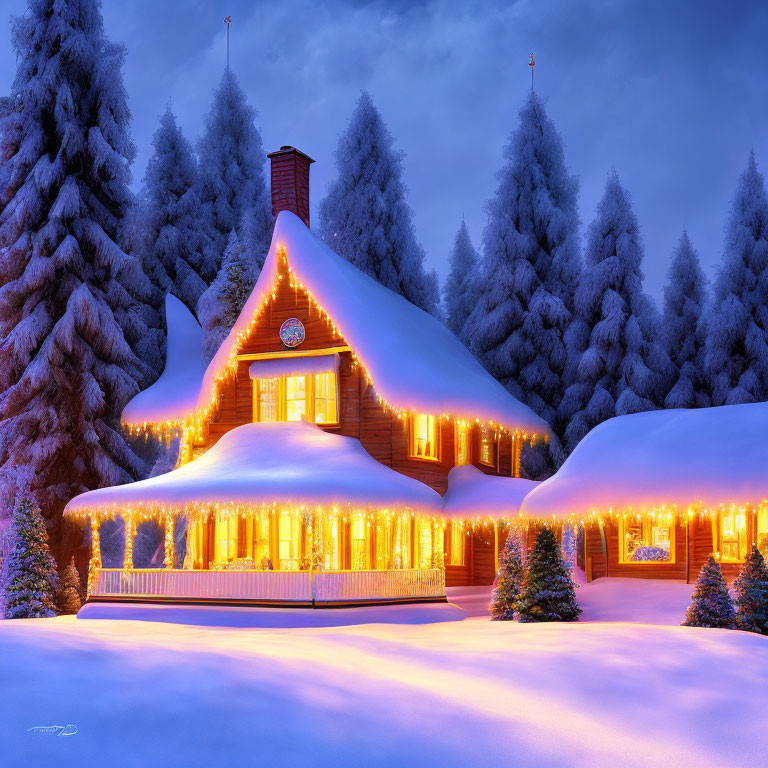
{"points": [[270, 586]]}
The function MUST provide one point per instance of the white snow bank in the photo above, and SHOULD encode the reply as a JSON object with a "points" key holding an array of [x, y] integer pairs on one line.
{"points": [[414, 361], [710, 456], [175, 393], [292, 463], [472, 493], [470, 693]]}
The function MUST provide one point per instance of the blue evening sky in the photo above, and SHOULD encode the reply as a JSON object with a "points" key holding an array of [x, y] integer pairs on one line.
{"points": [[672, 94]]}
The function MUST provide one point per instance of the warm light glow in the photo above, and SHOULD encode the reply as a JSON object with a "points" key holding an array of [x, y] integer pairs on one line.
{"points": [[646, 539], [423, 436], [461, 437]]}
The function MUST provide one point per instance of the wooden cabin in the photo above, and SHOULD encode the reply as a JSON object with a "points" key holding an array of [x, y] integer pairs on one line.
{"points": [[320, 342]]}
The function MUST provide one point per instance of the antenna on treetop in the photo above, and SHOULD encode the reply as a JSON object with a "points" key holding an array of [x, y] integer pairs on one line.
{"points": [[531, 64], [228, 21]]}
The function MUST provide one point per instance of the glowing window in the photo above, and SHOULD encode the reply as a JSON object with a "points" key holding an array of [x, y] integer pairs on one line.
{"points": [[425, 543], [295, 398], [423, 436], [359, 535], [266, 399], [325, 398], [457, 544], [733, 536], [646, 540], [401, 543], [487, 446], [762, 530], [289, 532], [462, 443], [329, 535], [225, 544]]}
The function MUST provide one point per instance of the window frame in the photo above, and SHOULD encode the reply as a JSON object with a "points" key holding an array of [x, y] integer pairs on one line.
{"points": [[412, 438], [281, 405], [748, 537], [624, 560], [493, 444]]}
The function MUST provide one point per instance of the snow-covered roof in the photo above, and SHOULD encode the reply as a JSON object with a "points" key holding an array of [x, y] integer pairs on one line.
{"points": [[472, 493], [706, 456], [174, 395], [293, 366], [291, 463], [413, 360]]}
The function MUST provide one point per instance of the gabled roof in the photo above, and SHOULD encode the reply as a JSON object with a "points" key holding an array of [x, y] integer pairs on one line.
{"points": [[174, 395], [414, 362], [290, 463], [473, 494], [703, 457]]}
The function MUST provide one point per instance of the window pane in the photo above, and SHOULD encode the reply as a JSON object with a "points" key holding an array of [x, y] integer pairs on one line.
{"points": [[424, 542], [423, 436], [733, 536], [762, 530], [646, 541], [457, 544], [295, 397], [225, 544], [486, 446], [359, 536], [462, 443], [401, 548], [325, 398], [267, 399], [288, 545]]}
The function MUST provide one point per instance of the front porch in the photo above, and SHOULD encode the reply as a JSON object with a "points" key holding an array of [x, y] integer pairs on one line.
{"points": [[253, 587]]}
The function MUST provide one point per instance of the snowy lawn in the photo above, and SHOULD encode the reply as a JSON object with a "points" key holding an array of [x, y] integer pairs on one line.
{"points": [[451, 693]]}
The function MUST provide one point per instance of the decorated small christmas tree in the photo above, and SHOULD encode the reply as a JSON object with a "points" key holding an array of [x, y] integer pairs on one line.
{"points": [[549, 593], [69, 600], [509, 580], [711, 604], [751, 588], [30, 580]]}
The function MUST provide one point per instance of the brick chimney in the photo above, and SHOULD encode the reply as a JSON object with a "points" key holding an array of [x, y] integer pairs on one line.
{"points": [[290, 182]]}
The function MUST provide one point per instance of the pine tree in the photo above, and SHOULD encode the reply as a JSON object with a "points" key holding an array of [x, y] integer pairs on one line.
{"points": [[66, 370], [737, 340], [531, 264], [751, 589], [69, 599], [711, 603], [459, 287], [222, 303], [30, 580], [174, 232], [232, 180], [549, 593], [684, 328], [365, 217], [509, 580], [617, 363]]}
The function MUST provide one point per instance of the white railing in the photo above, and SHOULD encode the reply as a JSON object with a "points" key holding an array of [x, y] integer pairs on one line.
{"points": [[271, 586], [354, 586]]}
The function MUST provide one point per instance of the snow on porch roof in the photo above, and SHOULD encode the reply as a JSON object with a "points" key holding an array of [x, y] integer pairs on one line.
{"points": [[174, 395], [291, 463], [414, 361], [707, 456], [473, 494]]}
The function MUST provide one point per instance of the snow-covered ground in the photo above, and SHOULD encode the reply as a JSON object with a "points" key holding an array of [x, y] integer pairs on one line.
{"points": [[449, 693]]}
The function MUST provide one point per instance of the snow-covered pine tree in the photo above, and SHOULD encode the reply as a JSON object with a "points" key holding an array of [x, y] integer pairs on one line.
{"points": [[458, 298], [232, 181], [549, 593], [509, 580], [365, 217], [737, 338], [30, 579], [684, 328], [617, 363], [174, 233], [69, 599], [66, 370], [530, 266], [751, 590], [711, 603], [220, 305]]}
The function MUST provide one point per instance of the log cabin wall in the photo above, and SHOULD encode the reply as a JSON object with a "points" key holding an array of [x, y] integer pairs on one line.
{"points": [[382, 433]]}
